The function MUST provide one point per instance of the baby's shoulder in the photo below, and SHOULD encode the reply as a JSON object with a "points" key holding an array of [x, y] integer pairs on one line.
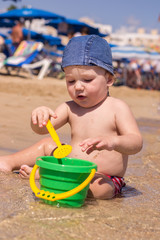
{"points": [[114, 100], [117, 103]]}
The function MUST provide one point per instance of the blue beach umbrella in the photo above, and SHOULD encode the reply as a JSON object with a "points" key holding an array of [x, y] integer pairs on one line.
{"points": [[129, 52], [41, 37], [6, 23], [29, 14], [33, 35], [154, 55], [64, 26], [3, 35], [50, 39]]}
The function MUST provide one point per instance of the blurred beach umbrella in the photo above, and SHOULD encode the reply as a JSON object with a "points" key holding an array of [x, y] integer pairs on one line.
{"points": [[132, 52], [6, 23], [153, 55], [41, 37], [64, 26], [29, 14], [50, 39], [113, 45], [3, 35], [13, 0], [33, 35], [129, 52]]}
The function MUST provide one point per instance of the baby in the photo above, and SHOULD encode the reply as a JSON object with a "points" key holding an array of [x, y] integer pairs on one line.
{"points": [[103, 129]]}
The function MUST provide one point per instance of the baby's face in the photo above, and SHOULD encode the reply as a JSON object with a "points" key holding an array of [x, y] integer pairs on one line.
{"points": [[87, 85]]}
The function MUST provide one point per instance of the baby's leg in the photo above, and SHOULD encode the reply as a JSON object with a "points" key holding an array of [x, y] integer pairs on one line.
{"points": [[27, 156], [101, 187]]}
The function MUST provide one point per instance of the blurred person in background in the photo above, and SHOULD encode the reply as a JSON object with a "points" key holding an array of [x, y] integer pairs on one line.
{"points": [[17, 33], [84, 31]]}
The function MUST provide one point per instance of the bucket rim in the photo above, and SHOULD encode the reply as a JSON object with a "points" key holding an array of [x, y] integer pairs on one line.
{"points": [[41, 162]]}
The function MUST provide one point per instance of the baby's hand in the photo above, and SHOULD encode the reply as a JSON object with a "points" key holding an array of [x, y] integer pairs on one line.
{"points": [[99, 143], [41, 115]]}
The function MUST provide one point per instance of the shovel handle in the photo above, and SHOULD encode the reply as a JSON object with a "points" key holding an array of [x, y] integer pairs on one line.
{"points": [[53, 196], [53, 133]]}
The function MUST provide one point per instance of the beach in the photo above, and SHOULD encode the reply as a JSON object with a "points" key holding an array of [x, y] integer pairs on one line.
{"points": [[132, 215]]}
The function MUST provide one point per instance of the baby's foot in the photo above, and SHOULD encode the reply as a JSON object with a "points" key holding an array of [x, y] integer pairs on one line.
{"points": [[25, 171]]}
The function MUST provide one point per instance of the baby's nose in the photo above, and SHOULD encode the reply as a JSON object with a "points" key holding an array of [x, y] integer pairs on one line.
{"points": [[78, 85]]}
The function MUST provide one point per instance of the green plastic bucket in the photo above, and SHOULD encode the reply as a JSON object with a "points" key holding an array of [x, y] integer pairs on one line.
{"points": [[63, 182]]}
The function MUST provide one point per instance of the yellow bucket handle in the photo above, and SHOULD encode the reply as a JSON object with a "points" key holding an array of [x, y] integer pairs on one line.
{"points": [[53, 196]]}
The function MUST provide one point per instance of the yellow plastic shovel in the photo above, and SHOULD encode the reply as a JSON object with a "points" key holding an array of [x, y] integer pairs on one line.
{"points": [[62, 150]]}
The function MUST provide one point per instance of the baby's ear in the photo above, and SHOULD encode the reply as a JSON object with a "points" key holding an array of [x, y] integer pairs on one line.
{"points": [[110, 79]]}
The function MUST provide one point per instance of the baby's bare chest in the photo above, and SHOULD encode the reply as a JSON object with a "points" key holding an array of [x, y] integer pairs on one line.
{"points": [[92, 123]]}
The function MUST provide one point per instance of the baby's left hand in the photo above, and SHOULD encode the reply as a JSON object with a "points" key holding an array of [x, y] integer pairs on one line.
{"points": [[99, 143]]}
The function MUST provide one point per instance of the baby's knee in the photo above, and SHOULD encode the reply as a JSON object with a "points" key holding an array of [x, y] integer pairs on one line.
{"points": [[48, 145], [101, 191], [6, 163], [46, 141], [104, 194]]}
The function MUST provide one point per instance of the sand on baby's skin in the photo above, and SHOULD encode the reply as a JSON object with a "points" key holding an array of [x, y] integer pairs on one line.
{"points": [[134, 215]]}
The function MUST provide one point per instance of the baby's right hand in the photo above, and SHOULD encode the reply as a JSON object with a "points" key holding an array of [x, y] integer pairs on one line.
{"points": [[41, 115]]}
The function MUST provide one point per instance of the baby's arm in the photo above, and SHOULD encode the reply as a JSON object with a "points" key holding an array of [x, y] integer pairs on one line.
{"points": [[41, 115], [128, 139]]}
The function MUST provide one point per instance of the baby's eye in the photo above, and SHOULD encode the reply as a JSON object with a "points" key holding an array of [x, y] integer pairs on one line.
{"points": [[70, 81], [88, 80]]}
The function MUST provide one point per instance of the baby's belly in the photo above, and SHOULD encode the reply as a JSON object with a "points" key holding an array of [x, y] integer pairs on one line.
{"points": [[108, 162]]}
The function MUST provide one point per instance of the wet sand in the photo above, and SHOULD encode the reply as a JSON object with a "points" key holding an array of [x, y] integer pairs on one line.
{"points": [[132, 215]]}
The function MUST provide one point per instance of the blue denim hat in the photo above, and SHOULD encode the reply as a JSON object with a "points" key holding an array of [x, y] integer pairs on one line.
{"points": [[89, 50]]}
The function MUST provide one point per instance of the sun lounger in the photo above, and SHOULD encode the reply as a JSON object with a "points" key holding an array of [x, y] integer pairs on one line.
{"points": [[25, 53], [26, 58], [43, 64]]}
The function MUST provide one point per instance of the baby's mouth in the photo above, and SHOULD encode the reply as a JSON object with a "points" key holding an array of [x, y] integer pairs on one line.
{"points": [[81, 97]]}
